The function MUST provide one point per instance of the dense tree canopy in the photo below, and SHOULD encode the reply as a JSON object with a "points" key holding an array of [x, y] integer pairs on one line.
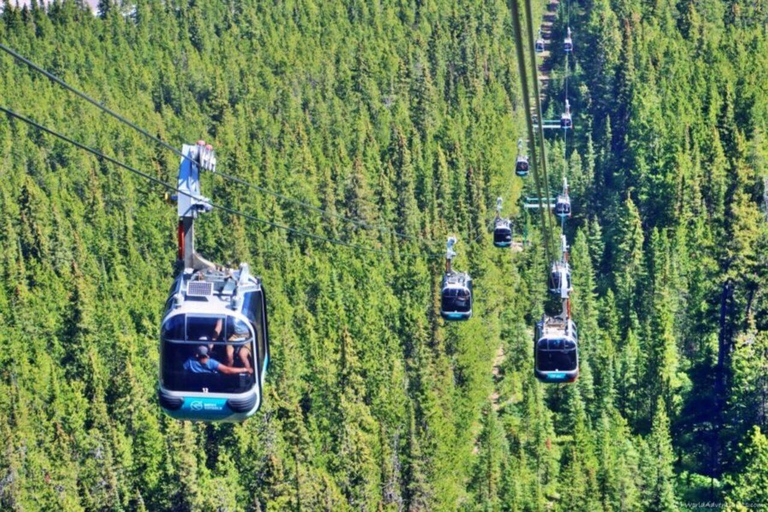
{"points": [[405, 116]]}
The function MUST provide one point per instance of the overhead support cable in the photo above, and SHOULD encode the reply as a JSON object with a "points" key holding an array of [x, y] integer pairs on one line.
{"points": [[536, 96], [545, 217]]}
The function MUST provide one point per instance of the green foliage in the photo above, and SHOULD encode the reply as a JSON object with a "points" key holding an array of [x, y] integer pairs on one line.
{"points": [[396, 114], [750, 486]]}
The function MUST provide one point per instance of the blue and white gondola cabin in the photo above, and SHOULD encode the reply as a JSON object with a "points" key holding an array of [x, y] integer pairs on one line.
{"points": [[521, 166], [563, 206], [502, 233], [568, 42], [214, 346], [566, 122], [456, 296], [556, 350], [561, 275]]}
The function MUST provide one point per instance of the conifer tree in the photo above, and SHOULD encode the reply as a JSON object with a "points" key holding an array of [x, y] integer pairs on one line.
{"points": [[628, 254], [656, 465], [749, 485]]}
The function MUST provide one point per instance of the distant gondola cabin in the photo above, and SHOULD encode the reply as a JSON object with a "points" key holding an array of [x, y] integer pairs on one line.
{"points": [[566, 122], [563, 206], [522, 166], [502, 233], [456, 296], [559, 277]]}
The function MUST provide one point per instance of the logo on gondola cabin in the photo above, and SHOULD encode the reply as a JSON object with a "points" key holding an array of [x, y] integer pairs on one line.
{"points": [[196, 406]]}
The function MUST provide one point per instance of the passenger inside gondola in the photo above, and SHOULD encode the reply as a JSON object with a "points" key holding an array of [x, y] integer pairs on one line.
{"points": [[238, 343], [456, 299], [187, 368], [201, 362], [205, 328]]}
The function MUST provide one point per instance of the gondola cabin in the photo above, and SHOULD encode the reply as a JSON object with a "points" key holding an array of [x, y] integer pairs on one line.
{"points": [[563, 206], [539, 45], [522, 166], [214, 346], [456, 296], [559, 277], [568, 43], [566, 123], [502, 233], [556, 350]]}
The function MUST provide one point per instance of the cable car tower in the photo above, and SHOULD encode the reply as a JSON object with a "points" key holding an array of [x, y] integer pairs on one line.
{"points": [[214, 341], [564, 123]]}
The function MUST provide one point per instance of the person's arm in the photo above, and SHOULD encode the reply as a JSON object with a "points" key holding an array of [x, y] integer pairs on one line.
{"points": [[231, 370]]}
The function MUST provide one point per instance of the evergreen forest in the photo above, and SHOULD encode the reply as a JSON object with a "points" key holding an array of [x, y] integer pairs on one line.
{"points": [[403, 115]]}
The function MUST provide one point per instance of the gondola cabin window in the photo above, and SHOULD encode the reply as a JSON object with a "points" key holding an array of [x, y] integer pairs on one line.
{"points": [[209, 354]]}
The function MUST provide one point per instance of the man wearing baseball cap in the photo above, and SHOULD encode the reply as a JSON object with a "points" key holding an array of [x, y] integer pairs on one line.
{"points": [[202, 363]]}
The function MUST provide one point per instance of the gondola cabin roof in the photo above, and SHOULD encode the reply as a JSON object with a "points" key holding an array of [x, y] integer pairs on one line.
{"points": [[211, 291], [555, 327], [456, 280]]}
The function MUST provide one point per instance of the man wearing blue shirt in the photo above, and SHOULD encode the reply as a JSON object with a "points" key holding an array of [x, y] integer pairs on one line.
{"points": [[201, 363]]}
